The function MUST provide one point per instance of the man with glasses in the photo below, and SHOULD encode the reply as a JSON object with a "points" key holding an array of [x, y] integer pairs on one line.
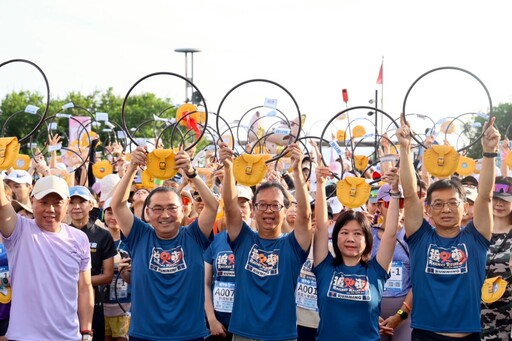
{"points": [[167, 258], [268, 262], [102, 251], [448, 261]]}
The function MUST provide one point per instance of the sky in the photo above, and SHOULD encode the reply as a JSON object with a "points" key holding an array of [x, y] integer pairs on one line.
{"points": [[313, 49]]}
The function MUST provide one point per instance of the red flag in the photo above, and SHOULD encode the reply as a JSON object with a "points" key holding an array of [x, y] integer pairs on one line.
{"points": [[381, 76]]}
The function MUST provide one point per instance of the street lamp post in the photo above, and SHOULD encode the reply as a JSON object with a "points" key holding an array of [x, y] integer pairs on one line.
{"points": [[188, 86]]}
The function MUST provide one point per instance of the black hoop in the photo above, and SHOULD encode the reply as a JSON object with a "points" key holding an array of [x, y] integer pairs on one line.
{"points": [[25, 138], [447, 68], [347, 110], [123, 111], [264, 81]]}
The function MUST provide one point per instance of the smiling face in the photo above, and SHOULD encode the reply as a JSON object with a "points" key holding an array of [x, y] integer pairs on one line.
{"points": [[49, 211], [501, 208], [166, 223], [448, 216], [351, 242], [269, 222], [78, 210]]}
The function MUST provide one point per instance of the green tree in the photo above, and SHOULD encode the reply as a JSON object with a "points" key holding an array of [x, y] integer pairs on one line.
{"points": [[503, 114]]}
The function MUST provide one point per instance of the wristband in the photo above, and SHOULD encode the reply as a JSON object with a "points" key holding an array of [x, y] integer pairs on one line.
{"points": [[193, 175], [396, 195], [86, 332], [490, 155]]}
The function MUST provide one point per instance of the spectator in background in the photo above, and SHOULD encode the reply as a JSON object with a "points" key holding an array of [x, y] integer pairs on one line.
{"points": [[118, 301], [102, 251], [497, 316], [20, 182]]}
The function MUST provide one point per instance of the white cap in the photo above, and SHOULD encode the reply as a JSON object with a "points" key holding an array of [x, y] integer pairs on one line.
{"points": [[19, 176], [335, 205], [244, 192], [107, 185], [50, 184]]}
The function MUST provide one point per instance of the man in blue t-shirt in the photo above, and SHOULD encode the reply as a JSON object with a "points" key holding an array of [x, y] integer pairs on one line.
{"points": [[167, 259], [267, 262], [447, 260]]}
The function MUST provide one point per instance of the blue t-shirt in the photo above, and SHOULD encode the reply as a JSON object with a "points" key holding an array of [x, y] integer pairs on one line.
{"points": [[222, 260], [349, 300], [399, 284], [5, 287], [267, 271], [447, 276], [167, 283]]}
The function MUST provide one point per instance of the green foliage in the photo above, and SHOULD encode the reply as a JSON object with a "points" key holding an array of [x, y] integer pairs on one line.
{"points": [[503, 114], [139, 108]]}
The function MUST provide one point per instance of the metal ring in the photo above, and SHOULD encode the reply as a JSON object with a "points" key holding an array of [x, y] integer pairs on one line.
{"points": [[440, 69], [24, 139]]}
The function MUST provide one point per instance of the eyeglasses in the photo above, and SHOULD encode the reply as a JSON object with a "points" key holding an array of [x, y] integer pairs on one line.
{"points": [[262, 207], [401, 203], [452, 205], [503, 188], [160, 209]]}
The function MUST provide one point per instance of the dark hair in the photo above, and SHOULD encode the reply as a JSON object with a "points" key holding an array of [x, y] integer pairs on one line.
{"points": [[272, 184], [161, 189], [443, 184], [344, 218]]}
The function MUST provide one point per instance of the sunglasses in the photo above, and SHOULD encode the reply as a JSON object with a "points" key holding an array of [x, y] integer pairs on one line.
{"points": [[196, 197], [401, 203], [503, 188]]}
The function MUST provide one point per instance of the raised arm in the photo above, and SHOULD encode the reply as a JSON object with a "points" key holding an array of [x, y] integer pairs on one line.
{"points": [[504, 150], [207, 216], [8, 216], [482, 211], [229, 193], [303, 219], [321, 240], [413, 210], [122, 192], [388, 240]]}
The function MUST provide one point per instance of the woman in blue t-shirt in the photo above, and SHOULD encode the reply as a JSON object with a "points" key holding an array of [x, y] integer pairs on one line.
{"points": [[351, 283]]}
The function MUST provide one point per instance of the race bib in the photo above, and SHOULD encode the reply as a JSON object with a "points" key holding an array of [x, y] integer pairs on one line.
{"points": [[120, 286], [223, 296], [306, 293], [447, 261], [395, 281]]}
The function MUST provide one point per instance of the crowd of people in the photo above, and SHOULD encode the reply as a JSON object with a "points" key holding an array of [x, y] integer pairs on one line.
{"points": [[200, 256]]}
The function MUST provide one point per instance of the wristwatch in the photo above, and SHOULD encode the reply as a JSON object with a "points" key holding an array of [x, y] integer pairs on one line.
{"points": [[86, 337], [403, 314]]}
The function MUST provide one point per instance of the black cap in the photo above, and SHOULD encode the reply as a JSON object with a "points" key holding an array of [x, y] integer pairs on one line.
{"points": [[469, 180]]}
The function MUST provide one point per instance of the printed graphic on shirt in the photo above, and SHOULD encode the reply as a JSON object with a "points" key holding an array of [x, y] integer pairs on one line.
{"points": [[93, 247], [225, 263], [447, 261], [306, 294], [167, 261], [263, 263], [349, 287], [395, 281]]}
